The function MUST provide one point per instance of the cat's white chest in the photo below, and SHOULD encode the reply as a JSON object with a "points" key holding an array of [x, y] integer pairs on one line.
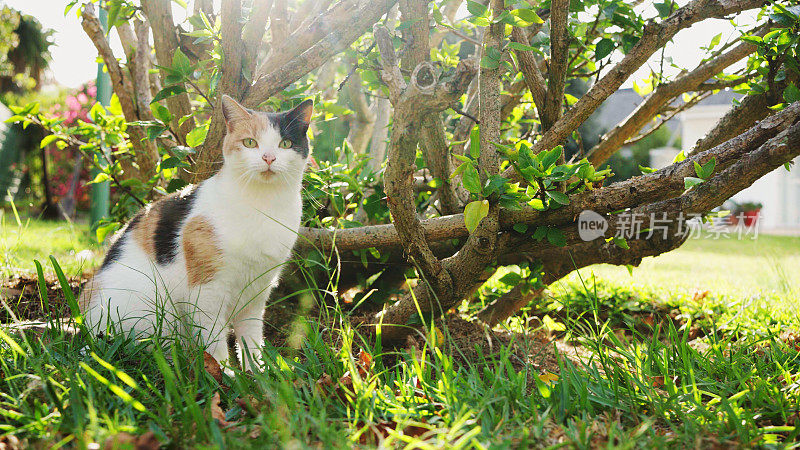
{"points": [[254, 232]]}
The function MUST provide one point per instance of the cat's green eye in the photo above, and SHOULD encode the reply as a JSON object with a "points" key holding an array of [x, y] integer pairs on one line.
{"points": [[250, 143], [286, 143]]}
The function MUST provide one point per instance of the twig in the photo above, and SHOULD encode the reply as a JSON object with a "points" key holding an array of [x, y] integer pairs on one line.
{"points": [[466, 114]]}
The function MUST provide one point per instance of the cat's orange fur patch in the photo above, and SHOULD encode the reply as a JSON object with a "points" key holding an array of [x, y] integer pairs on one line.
{"points": [[144, 233], [202, 250]]}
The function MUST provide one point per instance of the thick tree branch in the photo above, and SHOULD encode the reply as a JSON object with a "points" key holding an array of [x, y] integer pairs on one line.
{"points": [[253, 33], [559, 52], [426, 93], [750, 111], [231, 83], [530, 70], [458, 272], [343, 14], [660, 185], [146, 153], [165, 42]]}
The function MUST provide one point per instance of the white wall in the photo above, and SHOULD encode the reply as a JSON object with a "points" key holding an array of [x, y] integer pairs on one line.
{"points": [[778, 191]]}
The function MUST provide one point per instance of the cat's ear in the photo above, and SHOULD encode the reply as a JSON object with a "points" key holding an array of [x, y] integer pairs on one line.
{"points": [[233, 111], [302, 113]]}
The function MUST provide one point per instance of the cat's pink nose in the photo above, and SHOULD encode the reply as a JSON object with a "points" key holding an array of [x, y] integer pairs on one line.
{"points": [[269, 158]]}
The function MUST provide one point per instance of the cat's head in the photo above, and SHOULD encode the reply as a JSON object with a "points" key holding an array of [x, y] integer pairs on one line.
{"points": [[262, 147]]}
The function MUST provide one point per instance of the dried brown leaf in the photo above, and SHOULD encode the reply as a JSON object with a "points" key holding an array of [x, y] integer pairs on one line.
{"points": [[212, 367], [216, 411]]}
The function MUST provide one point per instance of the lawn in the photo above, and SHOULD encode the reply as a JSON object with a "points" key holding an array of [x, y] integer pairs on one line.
{"points": [[24, 240], [692, 350]]}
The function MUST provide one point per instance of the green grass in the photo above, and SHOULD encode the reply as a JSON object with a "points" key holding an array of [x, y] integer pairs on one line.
{"points": [[640, 361], [27, 239], [725, 266]]}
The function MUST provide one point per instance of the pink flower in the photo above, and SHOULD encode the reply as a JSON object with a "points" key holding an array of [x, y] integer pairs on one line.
{"points": [[83, 98], [72, 103]]}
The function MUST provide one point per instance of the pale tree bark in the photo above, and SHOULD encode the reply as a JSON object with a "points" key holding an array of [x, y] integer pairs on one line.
{"points": [[559, 52], [165, 42], [146, 153]]}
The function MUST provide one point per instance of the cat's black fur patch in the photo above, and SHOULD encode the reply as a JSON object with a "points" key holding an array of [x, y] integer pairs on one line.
{"points": [[292, 126], [173, 211], [116, 248]]}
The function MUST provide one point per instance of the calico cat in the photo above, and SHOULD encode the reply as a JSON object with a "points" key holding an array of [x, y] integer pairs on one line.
{"points": [[206, 258]]}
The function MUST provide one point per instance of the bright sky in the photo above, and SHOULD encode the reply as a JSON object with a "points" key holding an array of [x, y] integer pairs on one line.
{"points": [[74, 55]]}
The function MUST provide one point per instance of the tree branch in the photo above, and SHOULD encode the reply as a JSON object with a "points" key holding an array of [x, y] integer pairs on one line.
{"points": [[530, 70], [457, 272], [663, 95], [253, 33], [654, 37], [165, 42], [145, 151], [659, 185], [559, 52]]}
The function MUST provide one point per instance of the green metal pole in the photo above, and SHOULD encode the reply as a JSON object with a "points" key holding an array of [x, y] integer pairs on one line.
{"points": [[99, 193]]}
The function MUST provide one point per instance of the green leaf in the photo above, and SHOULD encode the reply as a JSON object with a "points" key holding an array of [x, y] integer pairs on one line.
{"points": [[475, 142], [196, 137], [791, 93], [168, 91], [550, 158], [511, 279], [714, 41], [495, 184], [471, 179], [603, 48], [160, 112], [97, 112], [49, 139], [679, 157], [528, 15], [101, 177], [114, 106], [621, 243], [474, 212], [104, 230], [476, 9], [176, 184], [664, 8], [181, 63], [540, 233], [556, 237], [646, 169], [559, 197], [520, 227], [487, 62], [171, 162], [690, 182], [113, 15], [459, 170], [709, 166], [520, 46]]}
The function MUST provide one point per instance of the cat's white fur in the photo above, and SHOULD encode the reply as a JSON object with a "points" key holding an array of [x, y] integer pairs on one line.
{"points": [[256, 218]]}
